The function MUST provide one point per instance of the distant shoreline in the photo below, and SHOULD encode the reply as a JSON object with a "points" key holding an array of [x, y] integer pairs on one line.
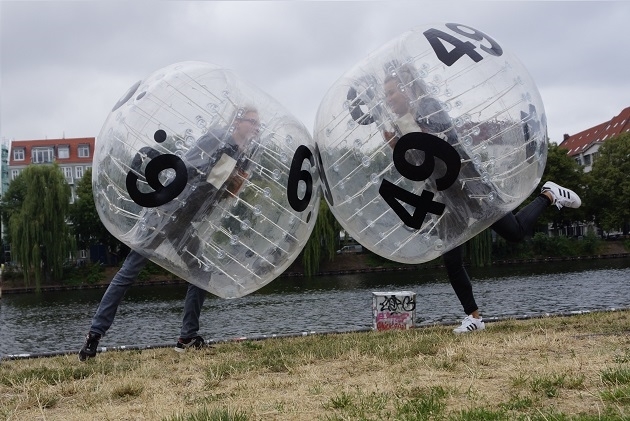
{"points": [[344, 271]]}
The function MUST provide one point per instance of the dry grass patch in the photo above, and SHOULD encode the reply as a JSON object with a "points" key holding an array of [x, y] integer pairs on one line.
{"points": [[570, 368]]}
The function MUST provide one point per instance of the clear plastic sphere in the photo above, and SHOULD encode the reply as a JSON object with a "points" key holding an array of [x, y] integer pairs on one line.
{"points": [[429, 140], [193, 169]]}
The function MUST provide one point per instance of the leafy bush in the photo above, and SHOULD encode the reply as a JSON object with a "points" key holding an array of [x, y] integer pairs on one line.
{"points": [[544, 245], [151, 270], [590, 244], [11, 272], [503, 250], [90, 274]]}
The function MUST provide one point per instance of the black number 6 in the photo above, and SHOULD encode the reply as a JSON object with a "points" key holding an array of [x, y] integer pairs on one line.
{"points": [[355, 110], [161, 194], [296, 173]]}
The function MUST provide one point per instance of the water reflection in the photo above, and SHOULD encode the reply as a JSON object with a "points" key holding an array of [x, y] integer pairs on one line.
{"points": [[57, 321]]}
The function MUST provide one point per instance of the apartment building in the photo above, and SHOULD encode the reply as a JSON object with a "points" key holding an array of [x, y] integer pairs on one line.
{"points": [[74, 157], [584, 146]]}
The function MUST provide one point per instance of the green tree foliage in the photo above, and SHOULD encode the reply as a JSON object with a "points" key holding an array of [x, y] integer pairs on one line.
{"points": [[12, 203], [40, 236], [323, 241], [86, 223], [609, 189], [479, 249]]}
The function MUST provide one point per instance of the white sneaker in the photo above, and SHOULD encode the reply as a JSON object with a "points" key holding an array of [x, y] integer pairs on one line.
{"points": [[562, 196], [470, 324]]}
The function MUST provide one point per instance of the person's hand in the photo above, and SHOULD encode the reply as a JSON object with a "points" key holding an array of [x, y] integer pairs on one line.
{"points": [[236, 181], [390, 138]]}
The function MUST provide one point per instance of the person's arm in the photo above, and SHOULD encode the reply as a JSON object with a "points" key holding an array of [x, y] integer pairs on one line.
{"points": [[236, 180]]}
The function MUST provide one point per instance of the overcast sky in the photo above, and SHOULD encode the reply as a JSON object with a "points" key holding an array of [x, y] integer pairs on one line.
{"points": [[63, 65]]}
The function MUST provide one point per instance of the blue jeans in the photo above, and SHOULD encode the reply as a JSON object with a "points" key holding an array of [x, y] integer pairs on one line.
{"points": [[121, 282]]}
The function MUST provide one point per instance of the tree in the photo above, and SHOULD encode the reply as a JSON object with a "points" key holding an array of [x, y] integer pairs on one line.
{"points": [[609, 188], [479, 249], [12, 202], [38, 206], [323, 240], [86, 223]]}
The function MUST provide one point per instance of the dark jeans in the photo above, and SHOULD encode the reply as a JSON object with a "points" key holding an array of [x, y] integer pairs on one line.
{"points": [[511, 227], [123, 280]]}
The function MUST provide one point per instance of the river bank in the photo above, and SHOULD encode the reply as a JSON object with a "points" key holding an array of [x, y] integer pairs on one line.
{"points": [[560, 368], [350, 263]]}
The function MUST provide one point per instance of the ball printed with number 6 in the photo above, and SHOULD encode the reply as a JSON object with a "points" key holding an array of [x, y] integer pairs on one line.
{"points": [[207, 176], [429, 140]]}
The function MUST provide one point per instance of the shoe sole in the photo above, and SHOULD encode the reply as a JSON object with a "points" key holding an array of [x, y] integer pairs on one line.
{"points": [[86, 357], [178, 349], [468, 331]]}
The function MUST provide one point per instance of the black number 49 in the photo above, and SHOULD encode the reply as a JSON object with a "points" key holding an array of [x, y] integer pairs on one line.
{"points": [[460, 48], [433, 147]]}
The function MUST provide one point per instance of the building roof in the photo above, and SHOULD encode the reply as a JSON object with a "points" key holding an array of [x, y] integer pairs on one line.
{"points": [[583, 140], [73, 143]]}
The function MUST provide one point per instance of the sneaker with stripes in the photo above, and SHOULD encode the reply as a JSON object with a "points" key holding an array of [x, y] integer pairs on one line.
{"points": [[470, 324], [196, 342], [561, 195]]}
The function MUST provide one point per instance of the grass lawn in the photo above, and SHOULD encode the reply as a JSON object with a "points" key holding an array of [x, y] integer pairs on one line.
{"points": [[555, 368]]}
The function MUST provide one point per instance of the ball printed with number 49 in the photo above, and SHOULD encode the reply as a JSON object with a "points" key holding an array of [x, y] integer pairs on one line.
{"points": [[429, 140]]}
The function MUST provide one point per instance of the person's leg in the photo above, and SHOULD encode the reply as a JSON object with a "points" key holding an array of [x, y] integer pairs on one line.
{"points": [[124, 278], [195, 298], [106, 311], [515, 227], [460, 281], [189, 337]]}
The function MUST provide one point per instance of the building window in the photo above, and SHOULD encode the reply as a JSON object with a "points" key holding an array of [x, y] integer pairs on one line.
{"points": [[78, 171], [63, 152], [84, 151], [14, 174], [67, 172], [42, 155], [587, 160], [18, 154]]}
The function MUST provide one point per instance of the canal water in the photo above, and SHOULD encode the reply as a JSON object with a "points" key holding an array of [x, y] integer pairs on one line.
{"points": [[57, 321]]}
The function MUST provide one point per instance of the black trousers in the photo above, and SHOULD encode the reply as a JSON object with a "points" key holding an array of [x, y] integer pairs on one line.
{"points": [[512, 227]]}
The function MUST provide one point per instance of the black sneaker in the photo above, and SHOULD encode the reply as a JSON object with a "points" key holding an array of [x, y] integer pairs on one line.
{"points": [[184, 344], [89, 347]]}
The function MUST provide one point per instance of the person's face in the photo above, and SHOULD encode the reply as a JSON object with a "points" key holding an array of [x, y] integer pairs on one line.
{"points": [[397, 101], [247, 127]]}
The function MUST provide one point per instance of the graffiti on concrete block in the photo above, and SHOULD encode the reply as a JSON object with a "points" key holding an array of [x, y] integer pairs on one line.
{"points": [[393, 304]]}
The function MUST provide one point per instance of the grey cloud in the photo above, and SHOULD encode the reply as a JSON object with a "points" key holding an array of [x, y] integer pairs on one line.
{"points": [[54, 54]]}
